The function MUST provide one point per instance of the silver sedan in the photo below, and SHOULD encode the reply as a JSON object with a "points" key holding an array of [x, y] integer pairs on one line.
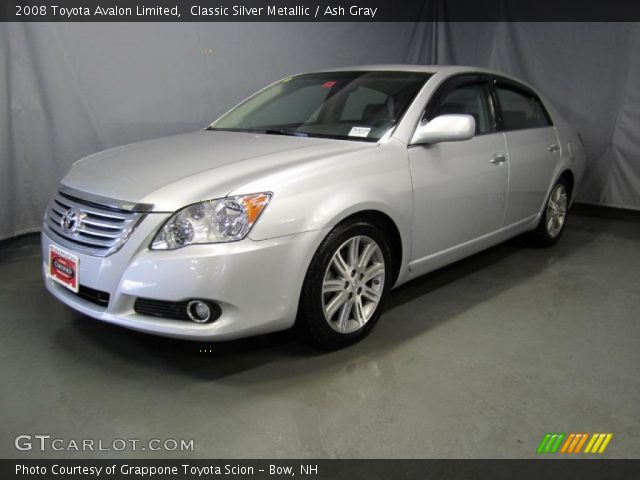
{"points": [[305, 204]]}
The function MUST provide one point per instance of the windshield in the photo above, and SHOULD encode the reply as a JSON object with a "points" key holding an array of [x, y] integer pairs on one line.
{"points": [[345, 105]]}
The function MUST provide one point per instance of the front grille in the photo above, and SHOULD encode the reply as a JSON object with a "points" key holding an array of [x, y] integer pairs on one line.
{"points": [[99, 229], [92, 295], [161, 308]]}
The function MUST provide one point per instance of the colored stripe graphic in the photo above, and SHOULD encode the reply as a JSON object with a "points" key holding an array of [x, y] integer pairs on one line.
{"points": [[569, 441], [598, 443], [573, 443], [551, 442]]}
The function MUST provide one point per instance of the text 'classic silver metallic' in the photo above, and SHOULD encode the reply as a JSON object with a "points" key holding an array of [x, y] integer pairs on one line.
{"points": [[305, 204]]}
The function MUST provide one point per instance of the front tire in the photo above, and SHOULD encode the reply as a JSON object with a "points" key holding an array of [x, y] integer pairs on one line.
{"points": [[554, 216], [346, 286]]}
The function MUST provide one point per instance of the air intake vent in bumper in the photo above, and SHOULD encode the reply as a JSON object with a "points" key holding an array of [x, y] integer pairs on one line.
{"points": [[94, 296], [172, 310]]}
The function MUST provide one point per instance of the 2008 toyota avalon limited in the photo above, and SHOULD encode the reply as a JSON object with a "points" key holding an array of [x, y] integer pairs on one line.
{"points": [[305, 204]]}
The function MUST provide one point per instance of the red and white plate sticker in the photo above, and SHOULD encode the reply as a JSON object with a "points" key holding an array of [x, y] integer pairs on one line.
{"points": [[63, 267]]}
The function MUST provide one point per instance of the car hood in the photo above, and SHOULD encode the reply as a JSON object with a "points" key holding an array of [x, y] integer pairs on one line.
{"points": [[175, 171]]}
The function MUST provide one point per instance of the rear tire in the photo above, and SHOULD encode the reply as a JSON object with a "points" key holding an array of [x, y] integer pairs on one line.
{"points": [[345, 287], [554, 216]]}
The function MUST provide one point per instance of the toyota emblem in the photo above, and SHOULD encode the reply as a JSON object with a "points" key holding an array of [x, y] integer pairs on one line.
{"points": [[70, 221]]}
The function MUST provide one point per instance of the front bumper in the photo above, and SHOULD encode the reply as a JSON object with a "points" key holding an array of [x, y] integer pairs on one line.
{"points": [[257, 284]]}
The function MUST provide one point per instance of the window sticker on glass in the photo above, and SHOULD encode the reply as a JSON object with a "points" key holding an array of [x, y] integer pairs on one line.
{"points": [[359, 131]]}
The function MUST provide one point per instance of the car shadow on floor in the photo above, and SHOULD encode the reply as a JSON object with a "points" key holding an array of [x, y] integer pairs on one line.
{"points": [[510, 264]]}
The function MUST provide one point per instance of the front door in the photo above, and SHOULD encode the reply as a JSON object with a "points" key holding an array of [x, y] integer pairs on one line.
{"points": [[459, 187]]}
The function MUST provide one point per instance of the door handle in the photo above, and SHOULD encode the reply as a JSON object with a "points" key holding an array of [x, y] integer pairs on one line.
{"points": [[498, 158], [553, 147]]}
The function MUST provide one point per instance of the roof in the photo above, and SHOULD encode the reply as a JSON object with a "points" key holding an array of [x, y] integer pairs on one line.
{"points": [[408, 68], [445, 70]]}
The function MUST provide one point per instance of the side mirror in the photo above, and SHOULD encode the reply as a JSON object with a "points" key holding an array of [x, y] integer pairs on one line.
{"points": [[445, 128]]}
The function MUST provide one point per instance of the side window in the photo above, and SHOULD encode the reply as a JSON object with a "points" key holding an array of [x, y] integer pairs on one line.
{"points": [[520, 111], [471, 100]]}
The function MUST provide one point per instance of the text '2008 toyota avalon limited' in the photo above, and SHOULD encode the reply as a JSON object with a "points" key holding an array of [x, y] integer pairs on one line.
{"points": [[305, 204]]}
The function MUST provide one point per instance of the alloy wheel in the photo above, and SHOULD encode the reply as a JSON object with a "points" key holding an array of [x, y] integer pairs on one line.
{"points": [[556, 210], [353, 284]]}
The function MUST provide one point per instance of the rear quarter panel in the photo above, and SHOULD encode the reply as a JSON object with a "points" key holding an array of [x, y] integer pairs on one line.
{"points": [[572, 153]]}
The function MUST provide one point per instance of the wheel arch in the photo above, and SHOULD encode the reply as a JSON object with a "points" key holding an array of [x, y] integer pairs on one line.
{"points": [[570, 178], [390, 230]]}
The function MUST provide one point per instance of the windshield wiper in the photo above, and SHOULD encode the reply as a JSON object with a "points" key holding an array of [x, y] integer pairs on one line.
{"points": [[268, 131], [216, 129], [284, 131]]}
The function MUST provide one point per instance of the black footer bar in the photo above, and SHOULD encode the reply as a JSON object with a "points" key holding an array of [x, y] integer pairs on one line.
{"points": [[565, 469]]}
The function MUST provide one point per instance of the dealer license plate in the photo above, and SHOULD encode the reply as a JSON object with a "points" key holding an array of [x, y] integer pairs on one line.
{"points": [[64, 267]]}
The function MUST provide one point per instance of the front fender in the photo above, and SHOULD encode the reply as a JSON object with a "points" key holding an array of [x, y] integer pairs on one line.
{"points": [[326, 191]]}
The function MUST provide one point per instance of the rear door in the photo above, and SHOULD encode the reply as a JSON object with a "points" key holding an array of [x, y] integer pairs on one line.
{"points": [[532, 145]]}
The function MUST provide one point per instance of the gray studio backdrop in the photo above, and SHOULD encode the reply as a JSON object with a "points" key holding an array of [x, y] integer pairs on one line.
{"points": [[68, 90]]}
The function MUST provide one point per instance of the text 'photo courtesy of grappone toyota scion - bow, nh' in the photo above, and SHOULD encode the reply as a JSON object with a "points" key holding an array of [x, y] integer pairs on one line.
{"points": [[307, 203]]}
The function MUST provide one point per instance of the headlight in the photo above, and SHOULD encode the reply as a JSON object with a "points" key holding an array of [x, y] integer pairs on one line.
{"points": [[214, 221]]}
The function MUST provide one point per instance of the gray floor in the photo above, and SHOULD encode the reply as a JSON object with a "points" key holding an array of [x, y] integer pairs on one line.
{"points": [[477, 360]]}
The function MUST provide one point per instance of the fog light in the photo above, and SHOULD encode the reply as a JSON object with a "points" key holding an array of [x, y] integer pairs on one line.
{"points": [[198, 311]]}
